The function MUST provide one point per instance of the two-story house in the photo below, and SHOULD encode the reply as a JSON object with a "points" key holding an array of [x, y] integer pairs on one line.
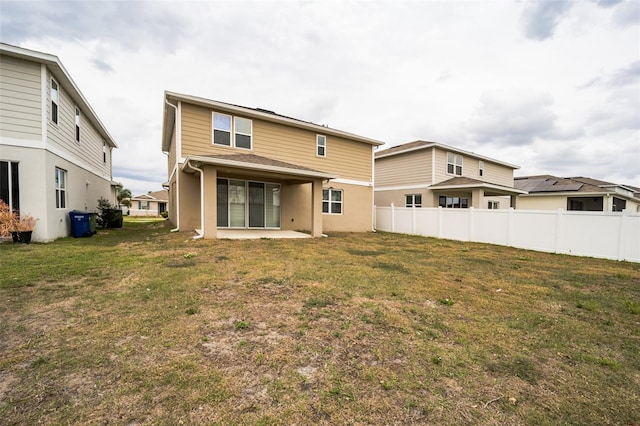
{"points": [[430, 174], [248, 168], [55, 153]]}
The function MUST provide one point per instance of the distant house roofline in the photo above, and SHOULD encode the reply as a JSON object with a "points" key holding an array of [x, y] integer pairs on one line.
{"points": [[420, 144], [64, 79]]}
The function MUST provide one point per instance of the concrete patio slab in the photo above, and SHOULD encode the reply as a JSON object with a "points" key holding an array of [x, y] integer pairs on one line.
{"points": [[248, 234]]}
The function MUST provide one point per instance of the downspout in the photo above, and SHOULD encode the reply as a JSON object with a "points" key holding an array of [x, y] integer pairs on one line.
{"points": [[373, 187], [177, 228], [199, 170]]}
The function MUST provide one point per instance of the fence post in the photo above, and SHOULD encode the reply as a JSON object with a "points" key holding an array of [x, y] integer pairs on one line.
{"points": [[393, 218], [439, 221], [510, 227], [621, 235], [471, 224], [558, 239], [413, 219]]}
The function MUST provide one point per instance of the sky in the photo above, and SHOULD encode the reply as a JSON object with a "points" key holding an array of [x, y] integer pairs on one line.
{"points": [[551, 86]]}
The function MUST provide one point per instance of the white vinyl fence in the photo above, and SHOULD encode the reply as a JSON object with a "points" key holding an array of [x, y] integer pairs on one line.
{"points": [[605, 235]]}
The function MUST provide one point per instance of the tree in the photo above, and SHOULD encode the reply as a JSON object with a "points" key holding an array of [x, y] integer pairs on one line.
{"points": [[123, 195]]}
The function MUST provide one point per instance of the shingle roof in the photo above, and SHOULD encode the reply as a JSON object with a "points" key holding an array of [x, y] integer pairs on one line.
{"points": [[416, 145], [162, 195], [548, 183], [257, 159]]}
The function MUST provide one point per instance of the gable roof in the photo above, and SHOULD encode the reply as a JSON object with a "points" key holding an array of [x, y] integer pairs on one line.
{"points": [[162, 195], [64, 79], [552, 185], [173, 98], [418, 145], [462, 182]]}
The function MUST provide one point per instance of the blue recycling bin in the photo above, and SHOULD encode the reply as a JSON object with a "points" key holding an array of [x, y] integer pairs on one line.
{"points": [[80, 224]]}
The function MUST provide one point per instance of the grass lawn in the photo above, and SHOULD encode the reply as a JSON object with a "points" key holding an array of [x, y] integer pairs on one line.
{"points": [[144, 326]]}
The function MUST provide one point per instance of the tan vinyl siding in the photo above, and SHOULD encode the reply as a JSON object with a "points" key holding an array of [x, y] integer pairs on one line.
{"points": [[441, 166], [493, 172], [344, 158], [63, 135], [20, 99], [498, 174], [404, 169], [172, 154]]}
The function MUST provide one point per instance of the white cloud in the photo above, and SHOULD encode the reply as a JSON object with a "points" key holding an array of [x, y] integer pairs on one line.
{"points": [[393, 71]]}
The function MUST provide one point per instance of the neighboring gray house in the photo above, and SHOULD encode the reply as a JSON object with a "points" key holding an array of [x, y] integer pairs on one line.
{"points": [[55, 153], [546, 192]]}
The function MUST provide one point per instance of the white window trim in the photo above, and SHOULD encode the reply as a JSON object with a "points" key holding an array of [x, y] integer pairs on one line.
{"points": [[413, 200], [213, 129], [61, 190], [341, 202], [235, 132], [455, 164], [323, 146], [77, 131], [232, 132], [57, 101], [493, 205]]}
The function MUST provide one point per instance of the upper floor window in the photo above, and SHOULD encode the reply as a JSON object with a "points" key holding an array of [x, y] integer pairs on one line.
{"points": [[61, 188], [224, 126], [321, 145], [413, 200], [332, 201], [221, 129], [77, 125], [104, 152], [481, 168], [54, 101], [243, 132], [454, 164]]}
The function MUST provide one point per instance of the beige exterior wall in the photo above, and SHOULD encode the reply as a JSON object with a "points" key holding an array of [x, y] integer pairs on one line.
{"points": [[542, 203], [189, 200], [20, 99], [410, 168], [493, 172], [344, 158], [61, 137]]}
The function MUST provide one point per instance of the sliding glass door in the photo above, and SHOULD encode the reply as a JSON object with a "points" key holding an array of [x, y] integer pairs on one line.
{"points": [[242, 202]]}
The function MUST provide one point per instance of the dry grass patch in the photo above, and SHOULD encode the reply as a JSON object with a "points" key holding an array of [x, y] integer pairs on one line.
{"points": [[143, 326]]}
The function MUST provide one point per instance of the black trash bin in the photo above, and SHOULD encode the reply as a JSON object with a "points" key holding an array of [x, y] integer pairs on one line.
{"points": [[80, 224], [115, 218]]}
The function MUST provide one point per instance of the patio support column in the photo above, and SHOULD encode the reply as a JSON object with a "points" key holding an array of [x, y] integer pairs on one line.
{"points": [[513, 201], [477, 198], [316, 208], [210, 196]]}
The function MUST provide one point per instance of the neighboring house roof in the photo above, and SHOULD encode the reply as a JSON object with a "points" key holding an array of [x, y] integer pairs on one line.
{"points": [[162, 195], [470, 183], [576, 186], [418, 145], [253, 162], [60, 73], [173, 98]]}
